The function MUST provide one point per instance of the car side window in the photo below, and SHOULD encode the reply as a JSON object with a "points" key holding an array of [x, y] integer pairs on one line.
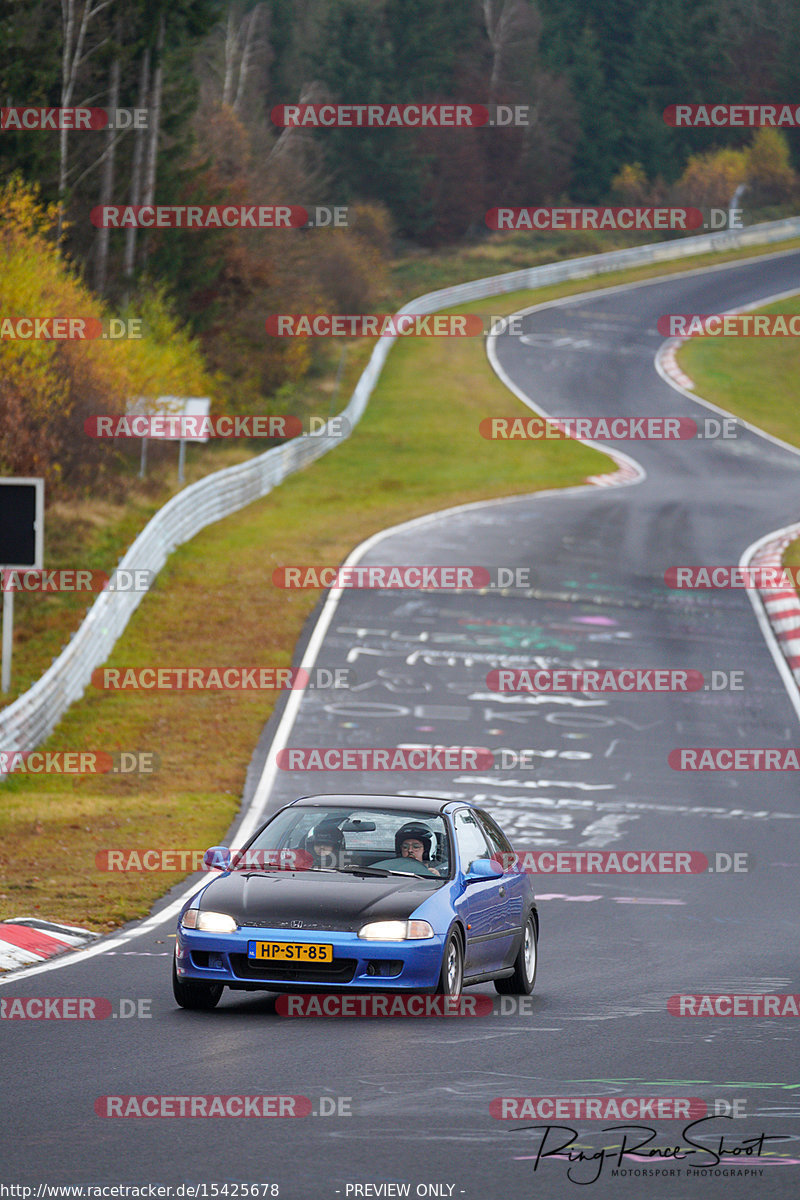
{"points": [[471, 842], [494, 834]]}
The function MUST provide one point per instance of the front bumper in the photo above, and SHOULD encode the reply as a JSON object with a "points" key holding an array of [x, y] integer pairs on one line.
{"points": [[357, 964]]}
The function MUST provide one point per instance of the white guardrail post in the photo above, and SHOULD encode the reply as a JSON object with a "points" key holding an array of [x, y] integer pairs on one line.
{"points": [[33, 715]]}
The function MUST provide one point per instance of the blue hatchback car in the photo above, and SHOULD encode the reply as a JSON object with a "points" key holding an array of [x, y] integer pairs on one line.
{"points": [[368, 893]]}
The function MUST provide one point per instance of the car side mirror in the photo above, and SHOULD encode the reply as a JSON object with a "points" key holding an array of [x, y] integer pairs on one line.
{"points": [[217, 858], [482, 868]]}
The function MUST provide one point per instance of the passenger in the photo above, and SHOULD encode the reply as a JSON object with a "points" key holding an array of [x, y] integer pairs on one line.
{"points": [[326, 844]]}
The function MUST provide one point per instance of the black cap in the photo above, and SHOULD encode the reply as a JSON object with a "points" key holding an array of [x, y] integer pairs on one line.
{"points": [[327, 833]]}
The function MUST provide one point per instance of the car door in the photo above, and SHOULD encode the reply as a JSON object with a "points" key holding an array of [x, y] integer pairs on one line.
{"points": [[510, 910], [481, 901]]}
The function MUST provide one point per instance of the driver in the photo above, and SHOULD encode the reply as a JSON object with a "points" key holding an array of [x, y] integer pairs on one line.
{"points": [[412, 842]]}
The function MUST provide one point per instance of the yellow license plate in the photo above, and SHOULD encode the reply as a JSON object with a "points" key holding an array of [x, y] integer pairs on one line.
{"points": [[292, 952]]}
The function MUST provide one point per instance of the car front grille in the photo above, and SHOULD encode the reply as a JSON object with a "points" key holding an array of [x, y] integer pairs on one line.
{"points": [[341, 970]]}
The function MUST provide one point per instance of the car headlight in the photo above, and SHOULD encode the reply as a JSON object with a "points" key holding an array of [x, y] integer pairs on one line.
{"points": [[211, 922], [395, 931]]}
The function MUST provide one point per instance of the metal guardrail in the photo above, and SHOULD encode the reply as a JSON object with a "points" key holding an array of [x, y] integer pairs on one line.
{"points": [[33, 715]]}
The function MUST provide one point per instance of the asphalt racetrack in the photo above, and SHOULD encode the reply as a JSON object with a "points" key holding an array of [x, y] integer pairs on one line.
{"points": [[613, 949]]}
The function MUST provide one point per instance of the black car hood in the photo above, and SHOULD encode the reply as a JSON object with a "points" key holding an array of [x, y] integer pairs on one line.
{"points": [[320, 899]]}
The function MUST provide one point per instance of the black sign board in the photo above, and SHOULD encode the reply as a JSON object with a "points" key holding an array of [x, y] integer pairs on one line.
{"points": [[21, 522]]}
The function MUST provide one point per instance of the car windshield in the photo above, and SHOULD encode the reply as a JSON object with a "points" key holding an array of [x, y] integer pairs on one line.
{"points": [[340, 838]]}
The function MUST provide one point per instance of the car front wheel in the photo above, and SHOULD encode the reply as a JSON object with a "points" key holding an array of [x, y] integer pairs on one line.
{"points": [[189, 993], [451, 977], [522, 981]]}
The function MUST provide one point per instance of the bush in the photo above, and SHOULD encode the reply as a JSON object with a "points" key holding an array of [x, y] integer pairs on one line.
{"points": [[349, 271], [47, 387], [769, 169]]}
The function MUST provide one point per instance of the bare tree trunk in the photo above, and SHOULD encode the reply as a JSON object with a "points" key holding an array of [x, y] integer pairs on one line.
{"points": [[290, 136], [507, 23], [107, 183], [136, 167], [154, 128], [67, 85], [247, 54], [72, 58], [231, 46]]}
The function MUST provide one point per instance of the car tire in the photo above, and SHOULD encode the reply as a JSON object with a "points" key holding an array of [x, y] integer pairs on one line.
{"points": [[451, 976], [191, 993], [524, 977]]}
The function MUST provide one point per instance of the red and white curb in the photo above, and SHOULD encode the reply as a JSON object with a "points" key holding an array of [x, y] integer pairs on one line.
{"points": [[625, 474], [782, 605], [27, 940], [669, 363]]}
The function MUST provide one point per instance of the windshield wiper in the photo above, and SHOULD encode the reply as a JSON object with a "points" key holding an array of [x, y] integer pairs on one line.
{"points": [[353, 870], [280, 870], [386, 870]]}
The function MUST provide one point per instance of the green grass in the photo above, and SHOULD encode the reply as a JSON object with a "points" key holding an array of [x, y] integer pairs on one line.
{"points": [[792, 556], [416, 450], [756, 378]]}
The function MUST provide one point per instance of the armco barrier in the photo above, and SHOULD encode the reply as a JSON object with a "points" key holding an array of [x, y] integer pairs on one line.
{"points": [[32, 717]]}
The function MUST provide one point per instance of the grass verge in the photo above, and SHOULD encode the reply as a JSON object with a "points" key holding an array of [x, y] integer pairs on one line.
{"points": [[755, 378]]}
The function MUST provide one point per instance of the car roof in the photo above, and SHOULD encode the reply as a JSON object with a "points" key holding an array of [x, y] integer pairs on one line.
{"points": [[428, 804]]}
